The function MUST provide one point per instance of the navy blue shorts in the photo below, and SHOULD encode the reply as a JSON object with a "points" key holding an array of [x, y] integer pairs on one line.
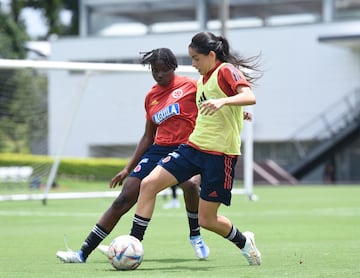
{"points": [[150, 159], [217, 171]]}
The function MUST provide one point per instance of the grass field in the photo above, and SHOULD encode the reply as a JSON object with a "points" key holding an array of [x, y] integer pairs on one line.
{"points": [[302, 231]]}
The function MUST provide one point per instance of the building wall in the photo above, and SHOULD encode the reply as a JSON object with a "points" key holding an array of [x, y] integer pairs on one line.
{"points": [[301, 78]]}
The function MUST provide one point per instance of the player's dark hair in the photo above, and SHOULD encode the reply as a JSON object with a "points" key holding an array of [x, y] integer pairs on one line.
{"points": [[204, 42], [164, 54]]}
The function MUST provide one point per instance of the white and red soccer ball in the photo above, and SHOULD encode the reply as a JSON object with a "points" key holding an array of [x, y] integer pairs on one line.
{"points": [[125, 252]]}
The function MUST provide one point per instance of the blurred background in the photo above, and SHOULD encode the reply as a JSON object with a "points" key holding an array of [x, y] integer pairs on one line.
{"points": [[306, 121]]}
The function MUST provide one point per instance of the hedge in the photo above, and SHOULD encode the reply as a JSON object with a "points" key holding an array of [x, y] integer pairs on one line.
{"points": [[83, 168]]}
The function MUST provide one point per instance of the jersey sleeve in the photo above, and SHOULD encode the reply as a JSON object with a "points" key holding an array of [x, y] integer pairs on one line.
{"points": [[146, 106], [229, 78]]}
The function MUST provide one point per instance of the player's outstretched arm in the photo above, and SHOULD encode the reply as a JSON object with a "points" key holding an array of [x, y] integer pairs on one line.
{"points": [[146, 140]]}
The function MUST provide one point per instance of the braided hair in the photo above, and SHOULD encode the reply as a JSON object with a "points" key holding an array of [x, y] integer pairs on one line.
{"points": [[164, 54]]}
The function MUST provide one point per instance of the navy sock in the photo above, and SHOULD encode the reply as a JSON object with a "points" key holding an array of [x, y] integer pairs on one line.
{"points": [[139, 226], [236, 237], [193, 223], [96, 235]]}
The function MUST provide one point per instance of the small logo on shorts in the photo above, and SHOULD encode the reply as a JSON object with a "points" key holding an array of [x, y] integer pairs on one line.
{"points": [[137, 168], [166, 159], [213, 194]]}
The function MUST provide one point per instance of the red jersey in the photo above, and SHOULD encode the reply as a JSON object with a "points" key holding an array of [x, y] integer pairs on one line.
{"points": [[173, 110], [229, 77]]}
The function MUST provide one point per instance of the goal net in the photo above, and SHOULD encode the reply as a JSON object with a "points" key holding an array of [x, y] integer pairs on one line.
{"points": [[57, 109]]}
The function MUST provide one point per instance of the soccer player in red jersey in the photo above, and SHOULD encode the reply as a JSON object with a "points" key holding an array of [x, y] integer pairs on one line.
{"points": [[171, 111]]}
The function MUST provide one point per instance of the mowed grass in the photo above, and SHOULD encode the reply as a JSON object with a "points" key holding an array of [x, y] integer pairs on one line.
{"points": [[301, 231]]}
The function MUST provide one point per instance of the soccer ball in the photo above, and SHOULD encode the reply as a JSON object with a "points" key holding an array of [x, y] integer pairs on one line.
{"points": [[125, 252]]}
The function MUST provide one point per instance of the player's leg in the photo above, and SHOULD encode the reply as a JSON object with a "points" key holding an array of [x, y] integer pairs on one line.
{"points": [[191, 193], [122, 204], [172, 169], [125, 201], [210, 220], [173, 191], [191, 198], [158, 180], [217, 183]]}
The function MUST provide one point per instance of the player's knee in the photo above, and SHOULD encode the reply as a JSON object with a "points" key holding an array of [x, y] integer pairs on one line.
{"points": [[190, 188], [148, 187]]}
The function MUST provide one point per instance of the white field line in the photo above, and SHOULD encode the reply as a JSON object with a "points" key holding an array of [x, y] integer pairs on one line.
{"points": [[78, 195]]}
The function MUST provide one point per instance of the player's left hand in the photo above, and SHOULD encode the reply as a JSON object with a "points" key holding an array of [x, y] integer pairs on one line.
{"points": [[118, 179], [210, 106]]}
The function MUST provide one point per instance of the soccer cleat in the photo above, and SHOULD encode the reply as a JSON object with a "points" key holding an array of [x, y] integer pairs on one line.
{"points": [[103, 249], [201, 249], [70, 256], [250, 251], [174, 203]]}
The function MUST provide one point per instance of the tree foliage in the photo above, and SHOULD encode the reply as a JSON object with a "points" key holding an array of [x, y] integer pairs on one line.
{"points": [[50, 10], [23, 121], [22, 93], [12, 39]]}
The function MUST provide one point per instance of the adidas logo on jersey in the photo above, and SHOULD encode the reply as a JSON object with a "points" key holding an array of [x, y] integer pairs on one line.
{"points": [[202, 98]]}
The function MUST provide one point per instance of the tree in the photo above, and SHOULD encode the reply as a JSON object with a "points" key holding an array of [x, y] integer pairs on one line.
{"points": [[24, 122], [13, 37], [51, 11], [23, 94], [23, 107], [73, 6]]}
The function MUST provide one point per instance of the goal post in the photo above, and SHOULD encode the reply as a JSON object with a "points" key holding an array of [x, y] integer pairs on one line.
{"points": [[82, 66], [249, 158], [86, 99]]}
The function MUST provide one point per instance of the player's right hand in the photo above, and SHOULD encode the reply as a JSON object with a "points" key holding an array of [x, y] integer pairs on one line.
{"points": [[119, 178]]}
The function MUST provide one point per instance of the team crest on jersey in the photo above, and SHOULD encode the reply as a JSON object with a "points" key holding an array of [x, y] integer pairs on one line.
{"points": [[166, 113], [178, 93]]}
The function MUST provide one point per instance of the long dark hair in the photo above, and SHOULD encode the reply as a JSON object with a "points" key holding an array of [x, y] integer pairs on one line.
{"points": [[204, 42], [164, 54]]}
